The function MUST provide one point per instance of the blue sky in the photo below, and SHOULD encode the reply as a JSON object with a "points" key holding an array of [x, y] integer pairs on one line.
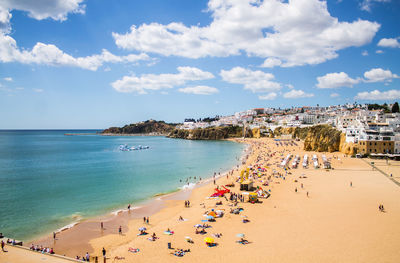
{"points": [[95, 64]]}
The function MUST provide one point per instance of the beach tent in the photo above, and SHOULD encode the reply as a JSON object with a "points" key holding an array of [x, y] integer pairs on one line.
{"points": [[246, 185]]}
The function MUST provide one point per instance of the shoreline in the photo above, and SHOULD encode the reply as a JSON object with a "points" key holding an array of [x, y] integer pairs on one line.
{"points": [[133, 134], [123, 216], [318, 215]]}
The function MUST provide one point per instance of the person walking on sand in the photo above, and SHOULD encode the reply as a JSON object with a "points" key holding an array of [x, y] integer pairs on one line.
{"points": [[2, 245], [87, 257], [101, 225], [351, 184], [144, 219], [147, 220], [120, 230], [307, 194], [104, 252]]}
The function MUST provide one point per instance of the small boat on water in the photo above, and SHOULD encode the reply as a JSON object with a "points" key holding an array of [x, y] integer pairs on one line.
{"points": [[126, 148]]}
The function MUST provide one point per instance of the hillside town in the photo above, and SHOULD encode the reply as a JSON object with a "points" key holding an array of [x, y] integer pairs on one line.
{"points": [[373, 128]]}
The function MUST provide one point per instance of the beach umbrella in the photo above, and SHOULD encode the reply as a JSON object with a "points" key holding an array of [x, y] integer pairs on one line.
{"points": [[209, 240], [212, 213], [240, 235], [142, 229]]}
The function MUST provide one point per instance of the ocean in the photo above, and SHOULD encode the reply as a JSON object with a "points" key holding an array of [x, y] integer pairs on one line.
{"points": [[49, 180]]}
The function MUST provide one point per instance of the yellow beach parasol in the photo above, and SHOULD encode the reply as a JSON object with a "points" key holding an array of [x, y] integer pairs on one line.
{"points": [[209, 240]]}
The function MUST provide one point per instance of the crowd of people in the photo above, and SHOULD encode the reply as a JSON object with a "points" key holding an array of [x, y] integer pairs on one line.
{"points": [[42, 249]]}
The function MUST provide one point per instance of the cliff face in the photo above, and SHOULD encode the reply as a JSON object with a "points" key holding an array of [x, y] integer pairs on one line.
{"points": [[320, 138], [347, 147], [212, 133], [147, 127]]}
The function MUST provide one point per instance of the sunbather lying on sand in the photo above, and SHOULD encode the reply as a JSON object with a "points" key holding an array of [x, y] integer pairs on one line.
{"points": [[201, 232], [243, 241]]}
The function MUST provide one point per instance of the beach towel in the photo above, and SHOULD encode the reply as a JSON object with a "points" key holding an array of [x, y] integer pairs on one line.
{"points": [[133, 250]]}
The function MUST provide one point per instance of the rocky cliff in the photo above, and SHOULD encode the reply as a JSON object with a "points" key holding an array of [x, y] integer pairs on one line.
{"points": [[320, 138], [212, 133], [146, 127]]}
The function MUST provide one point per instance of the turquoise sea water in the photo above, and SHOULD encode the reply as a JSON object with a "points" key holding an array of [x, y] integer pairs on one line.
{"points": [[49, 180]]}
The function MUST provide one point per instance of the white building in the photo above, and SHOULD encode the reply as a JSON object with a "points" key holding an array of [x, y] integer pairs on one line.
{"points": [[397, 143]]}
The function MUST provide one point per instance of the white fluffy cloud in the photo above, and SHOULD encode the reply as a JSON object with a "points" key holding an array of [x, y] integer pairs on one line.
{"points": [[269, 96], [297, 94], [54, 9], [282, 32], [146, 82], [256, 81], [199, 90], [389, 42], [378, 95], [336, 80], [271, 62], [367, 4], [379, 75], [49, 54]]}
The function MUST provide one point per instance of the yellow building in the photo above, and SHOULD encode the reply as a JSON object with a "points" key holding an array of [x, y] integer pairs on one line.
{"points": [[368, 147]]}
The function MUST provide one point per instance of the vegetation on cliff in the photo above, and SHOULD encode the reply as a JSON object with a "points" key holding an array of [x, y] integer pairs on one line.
{"points": [[146, 127], [211, 133]]}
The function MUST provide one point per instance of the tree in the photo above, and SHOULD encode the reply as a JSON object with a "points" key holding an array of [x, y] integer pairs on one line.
{"points": [[395, 107]]}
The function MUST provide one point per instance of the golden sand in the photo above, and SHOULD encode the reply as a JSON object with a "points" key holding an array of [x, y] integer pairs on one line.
{"points": [[335, 223]]}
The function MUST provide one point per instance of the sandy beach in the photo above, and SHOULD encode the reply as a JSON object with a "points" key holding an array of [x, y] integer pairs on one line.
{"points": [[339, 220]]}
